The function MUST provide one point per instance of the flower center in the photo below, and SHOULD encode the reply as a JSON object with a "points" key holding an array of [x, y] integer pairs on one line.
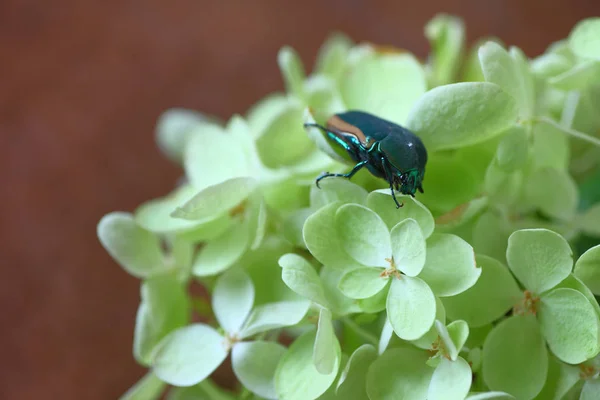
{"points": [[587, 371], [391, 271], [528, 305], [238, 210]]}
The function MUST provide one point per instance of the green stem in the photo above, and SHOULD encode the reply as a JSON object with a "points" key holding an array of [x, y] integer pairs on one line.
{"points": [[212, 390], [368, 336], [569, 131]]}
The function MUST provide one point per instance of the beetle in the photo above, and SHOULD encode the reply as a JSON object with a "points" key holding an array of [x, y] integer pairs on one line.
{"points": [[387, 150]]}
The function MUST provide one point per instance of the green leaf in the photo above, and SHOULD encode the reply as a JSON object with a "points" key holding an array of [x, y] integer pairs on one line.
{"points": [[471, 70], [450, 267], [293, 225], [363, 234], [453, 337], [274, 315], [232, 300], [255, 217], [573, 282], [264, 271], [515, 359], [490, 396], [336, 189], [221, 253], [205, 231], [254, 365], [587, 268], [387, 333], [155, 215], [579, 109], [458, 332], [292, 70], [451, 380], [474, 356], [477, 336], [284, 195], [492, 296], [411, 375], [386, 85], [352, 384], [216, 200], [512, 152], [408, 247], [331, 59], [296, 377], [506, 70], [212, 148], [578, 77], [569, 324], [501, 187], [315, 162], [446, 35], [174, 129], [276, 149], [426, 341], [589, 221], [301, 277], [339, 304], [549, 65], [165, 306], [462, 114], [539, 258], [147, 388], [591, 390], [561, 378], [261, 114], [325, 355], [381, 202], [321, 238], [490, 234], [554, 192], [451, 182], [189, 355], [410, 307], [550, 148], [362, 283], [448, 349], [134, 248], [376, 303], [584, 40]]}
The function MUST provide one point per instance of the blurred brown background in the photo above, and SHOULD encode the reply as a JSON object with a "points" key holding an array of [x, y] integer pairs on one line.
{"points": [[81, 86]]}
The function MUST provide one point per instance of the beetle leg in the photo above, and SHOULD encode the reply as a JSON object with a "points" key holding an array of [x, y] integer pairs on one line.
{"points": [[349, 175], [391, 181]]}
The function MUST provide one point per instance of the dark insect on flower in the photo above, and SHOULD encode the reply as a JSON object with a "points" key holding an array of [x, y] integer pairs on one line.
{"points": [[386, 149]]}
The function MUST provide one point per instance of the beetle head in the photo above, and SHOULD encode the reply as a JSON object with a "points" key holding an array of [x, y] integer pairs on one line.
{"points": [[406, 157], [409, 182]]}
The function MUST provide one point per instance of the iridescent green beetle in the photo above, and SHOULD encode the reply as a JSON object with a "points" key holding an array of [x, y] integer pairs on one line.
{"points": [[386, 149]]}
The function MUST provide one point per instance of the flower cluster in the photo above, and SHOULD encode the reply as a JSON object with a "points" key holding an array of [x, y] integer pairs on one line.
{"points": [[483, 287]]}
